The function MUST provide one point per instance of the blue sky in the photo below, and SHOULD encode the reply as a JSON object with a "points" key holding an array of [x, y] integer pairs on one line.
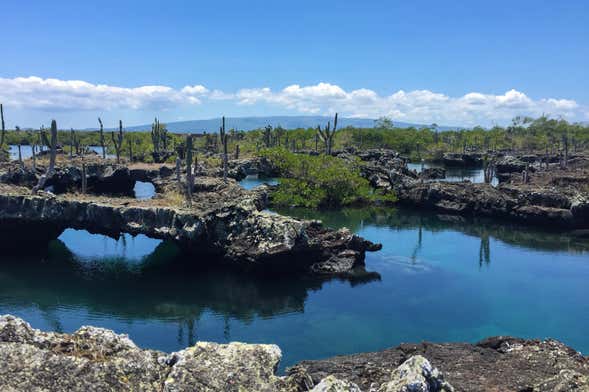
{"points": [[517, 57]]}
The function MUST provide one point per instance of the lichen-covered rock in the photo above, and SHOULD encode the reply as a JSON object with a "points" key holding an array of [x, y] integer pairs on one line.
{"points": [[416, 375], [333, 384], [97, 359], [91, 359], [224, 367]]}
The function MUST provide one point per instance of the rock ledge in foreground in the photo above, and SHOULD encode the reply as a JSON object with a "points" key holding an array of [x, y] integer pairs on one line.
{"points": [[97, 359]]}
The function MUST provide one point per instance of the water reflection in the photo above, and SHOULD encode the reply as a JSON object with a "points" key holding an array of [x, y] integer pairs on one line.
{"points": [[26, 151], [418, 221], [66, 284], [253, 181], [86, 246], [455, 174], [444, 278]]}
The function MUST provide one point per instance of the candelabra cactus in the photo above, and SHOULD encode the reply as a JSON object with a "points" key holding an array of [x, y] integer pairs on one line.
{"points": [[189, 173], [565, 144], [223, 136], [84, 177], [74, 143], [159, 139], [178, 171], [488, 170], [3, 134], [268, 135], [130, 146], [17, 130], [118, 141], [53, 152], [326, 135], [102, 139]]}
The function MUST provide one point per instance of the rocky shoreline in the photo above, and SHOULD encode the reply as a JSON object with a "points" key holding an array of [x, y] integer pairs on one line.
{"points": [[547, 195], [223, 222], [226, 222], [96, 359]]}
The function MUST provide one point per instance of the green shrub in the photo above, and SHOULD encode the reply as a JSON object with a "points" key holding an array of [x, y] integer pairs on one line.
{"points": [[320, 181]]}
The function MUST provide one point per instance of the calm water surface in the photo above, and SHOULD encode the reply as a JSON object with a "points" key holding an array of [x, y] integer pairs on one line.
{"points": [[253, 181], [441, 279], [455, 174], [27, 151]]}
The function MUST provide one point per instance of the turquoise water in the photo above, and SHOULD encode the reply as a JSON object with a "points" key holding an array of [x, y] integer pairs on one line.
{"points": [[253, 181], [441, 279]]}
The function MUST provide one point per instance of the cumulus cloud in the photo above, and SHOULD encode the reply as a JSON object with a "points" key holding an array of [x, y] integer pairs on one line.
{"points": [[54, 94], [423, 106]]}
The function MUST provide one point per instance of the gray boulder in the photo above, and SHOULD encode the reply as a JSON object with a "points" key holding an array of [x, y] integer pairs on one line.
{"points": [[416, 375], [333, 384]]}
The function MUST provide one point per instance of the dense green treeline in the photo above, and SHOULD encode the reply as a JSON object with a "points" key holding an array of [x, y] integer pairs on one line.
{"points": [[522, 135]]}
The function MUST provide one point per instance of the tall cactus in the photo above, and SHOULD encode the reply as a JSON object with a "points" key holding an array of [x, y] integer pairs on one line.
{"points": [[118, 141], [102, 139], [3, 134], [72, 137], [53, 153], [178, 171], [17, 131], [130, 147], [268, 135], [189, 173], [223, 135], [159, 139], [84, 177], [326, 135], [488, 170]]}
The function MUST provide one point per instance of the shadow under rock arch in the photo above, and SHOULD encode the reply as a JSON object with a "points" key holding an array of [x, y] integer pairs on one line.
{"points": [[164, 286]]}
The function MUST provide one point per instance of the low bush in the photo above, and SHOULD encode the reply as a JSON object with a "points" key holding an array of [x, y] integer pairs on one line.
{"points": [[320, 181]]}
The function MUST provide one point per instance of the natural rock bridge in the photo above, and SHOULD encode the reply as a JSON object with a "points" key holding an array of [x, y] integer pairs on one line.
{"points": [[225, 220]]}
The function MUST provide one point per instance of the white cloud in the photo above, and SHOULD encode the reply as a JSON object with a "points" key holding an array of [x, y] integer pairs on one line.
{"points": [[197, 89], [54, 94], [423, 106]]}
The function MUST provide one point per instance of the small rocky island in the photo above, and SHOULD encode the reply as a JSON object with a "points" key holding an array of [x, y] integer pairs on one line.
{"points": [[99, 359]]}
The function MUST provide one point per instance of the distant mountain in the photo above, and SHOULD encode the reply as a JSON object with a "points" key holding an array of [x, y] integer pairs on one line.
{"points": [[288, 122]]}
